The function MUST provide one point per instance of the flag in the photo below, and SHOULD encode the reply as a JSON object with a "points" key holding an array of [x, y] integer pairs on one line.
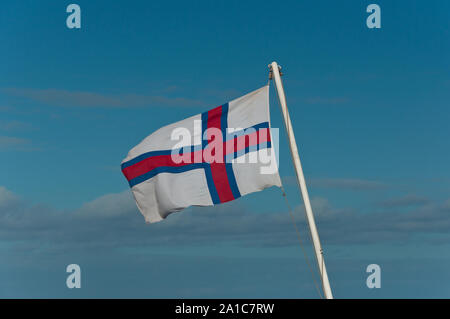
{"points": [[207, 159]]}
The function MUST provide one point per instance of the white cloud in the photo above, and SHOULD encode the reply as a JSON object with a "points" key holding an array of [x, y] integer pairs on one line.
{"points": [[7, 198], [327, 100], [110, 205], [407, 200], [9, 142], [340, 183], [13, 125], [68, 98]]}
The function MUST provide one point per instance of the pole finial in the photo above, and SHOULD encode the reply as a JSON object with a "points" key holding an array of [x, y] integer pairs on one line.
{"points": [[271, 70]]}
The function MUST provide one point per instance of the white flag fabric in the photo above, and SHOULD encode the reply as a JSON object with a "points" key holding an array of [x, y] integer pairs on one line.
{"points": [[207, 159]]}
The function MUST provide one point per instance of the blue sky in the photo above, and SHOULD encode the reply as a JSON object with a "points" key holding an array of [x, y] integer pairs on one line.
{"points": [[370, 110]]}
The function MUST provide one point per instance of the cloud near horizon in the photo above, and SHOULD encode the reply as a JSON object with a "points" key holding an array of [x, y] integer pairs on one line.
{"points": [[407, 200], [113, 222], [340, 183]]}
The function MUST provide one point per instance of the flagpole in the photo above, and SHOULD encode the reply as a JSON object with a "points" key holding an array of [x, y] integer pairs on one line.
{"points": [[301, 180]]}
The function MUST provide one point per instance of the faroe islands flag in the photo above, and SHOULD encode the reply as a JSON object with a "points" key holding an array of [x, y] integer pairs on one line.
{"points": [[207, 159]]}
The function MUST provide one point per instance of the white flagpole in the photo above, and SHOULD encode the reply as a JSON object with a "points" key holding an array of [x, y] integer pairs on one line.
{"points": [[301, 180]]}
